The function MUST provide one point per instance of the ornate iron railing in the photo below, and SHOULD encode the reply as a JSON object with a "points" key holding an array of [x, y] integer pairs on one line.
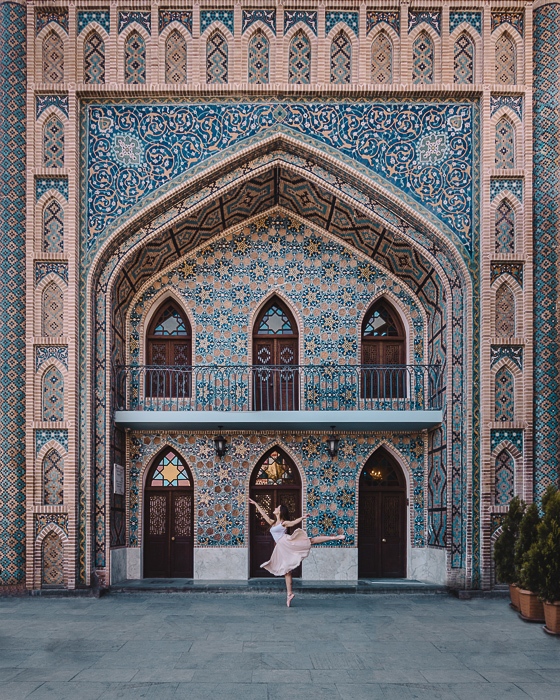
{"points": [[278, 388]]}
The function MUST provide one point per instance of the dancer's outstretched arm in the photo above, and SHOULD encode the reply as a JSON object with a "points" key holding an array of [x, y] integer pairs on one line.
{"points": [[291, 523], [262, 512]]}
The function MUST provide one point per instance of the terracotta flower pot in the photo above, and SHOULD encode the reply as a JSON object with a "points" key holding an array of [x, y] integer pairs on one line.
{"points": [[552, 617], [531, 607], [514, 596]]}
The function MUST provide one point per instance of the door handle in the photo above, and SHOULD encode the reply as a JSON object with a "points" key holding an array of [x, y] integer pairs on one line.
{"points": [[173, 539], [383, 540]]}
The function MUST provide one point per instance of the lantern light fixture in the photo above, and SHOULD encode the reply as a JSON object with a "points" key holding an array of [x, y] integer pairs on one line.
{"points": [[332, 443], [220, 444]]}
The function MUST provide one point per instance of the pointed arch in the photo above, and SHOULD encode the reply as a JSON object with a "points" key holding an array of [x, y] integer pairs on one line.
{"points": [[94, 58], [299, 59], [505, 60], [423, 59], [504, 395], [53, 58], [341, 59], [382, 59], [53, 478], [53, 143], [134, 59], [504, 228], [52, 395], [169, 470], [52, 310], [217, 59], [258, 58], [175, 58], [505, 321], [52, 561], [505, 144], [464, 60], [504, 478], [52, 239]]}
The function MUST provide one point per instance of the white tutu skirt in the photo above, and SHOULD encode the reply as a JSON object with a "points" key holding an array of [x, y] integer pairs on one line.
{"points": [[288, 554]]}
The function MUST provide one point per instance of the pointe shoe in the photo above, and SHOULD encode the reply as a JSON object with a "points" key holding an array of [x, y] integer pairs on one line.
{"points": [[341, 537], [291, 596]]}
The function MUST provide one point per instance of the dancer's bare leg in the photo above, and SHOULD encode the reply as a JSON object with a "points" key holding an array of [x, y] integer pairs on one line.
{"points": [[324, 538], [289, 591]]}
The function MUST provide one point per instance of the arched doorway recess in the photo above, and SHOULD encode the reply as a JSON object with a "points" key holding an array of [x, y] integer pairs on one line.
{"points": [[275, 480], [382, 518], [168, 518]]}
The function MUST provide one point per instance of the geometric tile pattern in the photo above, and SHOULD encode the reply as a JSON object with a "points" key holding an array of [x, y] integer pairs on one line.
{"points": [[102, 17], [505, 228], [546, 195], [144, 19], [44, 519], [134, 59], [52, 301], [513, 435], [506, 268], [463, 60], [94, 59], [208, 17], [52, 561], [53, 58], [58, 101], [46, 15], [472, 18], [258, 58], [42, 269], [44, 184], [53, 143], [45, 352], [514, 19], [53, 479], [267, 17], [175, 58], [432, 19], [216, 59], [390, 18], [505, 312], [299, 61], [511, 352], [45, 435], [504, 390], [505, 144], [506, 60], [382, 59], [184, 17], [13, 85], [504, 478], [53, 227], [53, 396], [351, 19], [341, 59], [511, 184], [423, 59], [515, 103], [292, 17]]}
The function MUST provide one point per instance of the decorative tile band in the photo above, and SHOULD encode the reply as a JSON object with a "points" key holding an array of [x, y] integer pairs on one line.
{"points": [[513, 435], [44, 519], [47, 352], [390, 18], [432, 19], [207, 17], [351, 19], [44, 16], [512, 184], [472, 18], [44, 184], [144, 19], [514, 269], [292, 17], [510, 352], [102, 17], [42, 269], [267, 17], [514, 19], [513, 102], [43, 102], [184, 17], [44, 436]]}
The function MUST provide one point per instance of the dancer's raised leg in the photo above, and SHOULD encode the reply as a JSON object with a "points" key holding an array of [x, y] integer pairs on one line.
{"points": [[289, 591], [325, 538]]}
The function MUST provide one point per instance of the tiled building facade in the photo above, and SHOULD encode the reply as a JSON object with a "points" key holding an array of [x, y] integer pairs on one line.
{"points": [[275, 180]]}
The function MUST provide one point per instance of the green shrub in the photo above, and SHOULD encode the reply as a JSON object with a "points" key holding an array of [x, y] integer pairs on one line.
{"points": [[504, 548], [528, 566], [543, 559]]}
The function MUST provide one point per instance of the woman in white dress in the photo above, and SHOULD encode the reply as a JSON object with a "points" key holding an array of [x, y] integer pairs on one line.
{"points": [[290, 550]]}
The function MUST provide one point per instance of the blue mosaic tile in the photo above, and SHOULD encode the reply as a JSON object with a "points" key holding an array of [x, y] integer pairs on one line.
{"points": [[207, 17], [267, 17], [292, 17], [514, 19], [144, 19], [102, 17], [515, 103], [44, 436], [512, 184], [47, 352], [44, 184], [42, 102], [46, 15], [432, 19], [472, 18], [350, 19], [513, 435], [44, 519], [510, 352], [514, 269], [42, 269], [373, 18], [184, 17]]}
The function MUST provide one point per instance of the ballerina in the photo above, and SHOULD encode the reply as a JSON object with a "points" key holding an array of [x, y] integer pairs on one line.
{"points": [[290, 550]]}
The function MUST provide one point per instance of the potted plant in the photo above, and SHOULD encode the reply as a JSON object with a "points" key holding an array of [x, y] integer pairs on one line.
{"points": [[546, 550], [504, 549], [531, 608]]}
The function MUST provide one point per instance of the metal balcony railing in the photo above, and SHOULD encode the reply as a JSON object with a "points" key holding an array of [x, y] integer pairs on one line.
{"points": [[278, 388]]}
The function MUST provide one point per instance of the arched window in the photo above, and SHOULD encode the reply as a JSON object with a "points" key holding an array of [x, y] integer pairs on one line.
{"points": [[175, 58], [53, 227], [52, 304], [169, 345], [423, 59], [463, 60], [504, 403], [275, 345], [216, 59], [53, 479], [504, 228], [52, 560], [53, 58], [53, 143], [134, 59], [505, 144], [299, 61], [506, 59], [505, 312], [94, 59], [504, 478], [383, 346], [341, 59], [382, 59], [258, 59], [53, 395]]}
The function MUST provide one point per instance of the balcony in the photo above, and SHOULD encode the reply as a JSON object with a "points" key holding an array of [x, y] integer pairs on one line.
{"points": [[244, 397]]}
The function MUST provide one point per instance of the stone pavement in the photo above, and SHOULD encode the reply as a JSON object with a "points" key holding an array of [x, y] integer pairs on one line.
{"points": [[251, 647]]}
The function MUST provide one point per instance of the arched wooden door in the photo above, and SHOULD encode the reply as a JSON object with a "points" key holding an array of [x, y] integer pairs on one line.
{"points": [[168, 519], [169, 345], [275, 480], [383, 346], [382, 518], [275, 345]]}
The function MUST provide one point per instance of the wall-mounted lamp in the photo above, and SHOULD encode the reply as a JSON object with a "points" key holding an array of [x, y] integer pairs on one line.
{"points": [[220, 444], [332, 443]]}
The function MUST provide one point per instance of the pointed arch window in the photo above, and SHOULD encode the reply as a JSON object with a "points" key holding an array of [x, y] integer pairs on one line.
{"points": [[52, 305], [275, 346], [383, 353], [504, 478], [299, 61], [259, 58], [504, 404], [53, 395], [341, 59], [94, 59], [53, 58], [53, 227], [423, 59], [505, 144], [217, 59], [504, 228], [382, 59], [505, 312], [53, 143], [463, 60], [53, 479], [175, 58], [135, 59], [169, 347], [169, 472], [506, 59]]}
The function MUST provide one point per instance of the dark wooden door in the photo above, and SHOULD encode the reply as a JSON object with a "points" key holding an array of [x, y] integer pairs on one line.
{"points": [[382, 519], [169, 346], [383, 349]]}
